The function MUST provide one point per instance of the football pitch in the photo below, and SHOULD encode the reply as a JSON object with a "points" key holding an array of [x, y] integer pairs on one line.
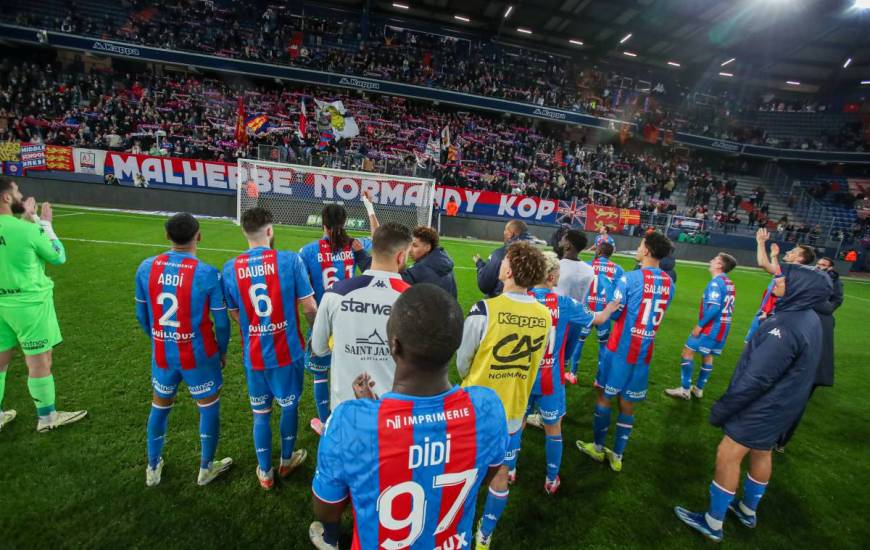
{"points": [[84, 485]]}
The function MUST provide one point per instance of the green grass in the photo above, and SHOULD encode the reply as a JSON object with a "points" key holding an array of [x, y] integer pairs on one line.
{"points": [[83, 486]]}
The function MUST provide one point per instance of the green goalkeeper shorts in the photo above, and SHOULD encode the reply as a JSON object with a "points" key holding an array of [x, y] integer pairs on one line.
{"points": [[33, 326]]}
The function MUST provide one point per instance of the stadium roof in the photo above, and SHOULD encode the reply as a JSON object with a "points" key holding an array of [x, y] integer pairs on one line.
{"points": [[798, 45]]}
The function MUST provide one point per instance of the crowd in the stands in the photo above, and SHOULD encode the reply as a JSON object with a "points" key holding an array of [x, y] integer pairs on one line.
{"points": [[352, 45]]}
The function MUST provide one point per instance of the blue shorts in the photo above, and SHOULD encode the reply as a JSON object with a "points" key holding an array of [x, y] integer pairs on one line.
{"points": [[551, 407], [603, 330], [513, 446], [615, 377], [201, 382], [283, 384], [317, 365], [705, 344]]}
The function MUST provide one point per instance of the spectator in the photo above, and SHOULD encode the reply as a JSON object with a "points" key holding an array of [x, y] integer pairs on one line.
{"points": [[432, 264], [487, 272], [452, 207]]}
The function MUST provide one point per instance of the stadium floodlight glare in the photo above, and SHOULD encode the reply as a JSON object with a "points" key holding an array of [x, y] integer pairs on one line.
{"points": [[792, 82], [400, 6], [847, 63], [508, 11], [862, 4], [523, 30], [727, 62], [625, 38], [462, 18], [576, 42], [629, 54], [673, 64], [729, 75], [865, 83]]}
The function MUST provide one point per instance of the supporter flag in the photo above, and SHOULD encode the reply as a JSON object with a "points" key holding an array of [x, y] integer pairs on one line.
{"points": [[58, 157], [13, 169], [303, 121], [623, 133], [10, 151], [326, 136], [433, 148], [650, 133], [422, 158], [241, 133], [629, 217], [572, 213], [257, 124], [343, 126], [602, 216], [295, 45], [445, 137]]}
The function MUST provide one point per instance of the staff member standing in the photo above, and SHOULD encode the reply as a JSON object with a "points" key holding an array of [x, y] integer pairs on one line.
{"points": [[431, 263], [487, 272], [825, 311]]}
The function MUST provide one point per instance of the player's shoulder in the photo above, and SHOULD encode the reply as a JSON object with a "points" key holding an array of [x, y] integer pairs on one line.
{"points": [[478, 308], [488, 408], [206, 270], [353, 415], [346, 286], [308, 248], [290, 257]]}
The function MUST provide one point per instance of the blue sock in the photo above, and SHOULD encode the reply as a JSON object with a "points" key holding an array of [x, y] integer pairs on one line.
{"points": [[601, 424], [576, 353], [289, 426], [512, 458], [157, 421], [624, 424], [330, 533], [321, 395], [687, 368], [719, 501], [553, 450], [704, 375], [209, 431], [752, 493], [492, 510], [263, 440]]}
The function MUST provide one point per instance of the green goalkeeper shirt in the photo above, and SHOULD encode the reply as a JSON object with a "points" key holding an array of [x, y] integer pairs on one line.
{"points": [[24, 249]]}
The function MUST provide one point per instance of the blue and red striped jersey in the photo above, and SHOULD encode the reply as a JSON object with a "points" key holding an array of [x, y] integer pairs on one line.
{"points": [[604, 283], [264, 285], [719, 295], [412, 465], [768, 300], [563, 311], [326, 267], [644, 295], [180, 294], [604, 239]]}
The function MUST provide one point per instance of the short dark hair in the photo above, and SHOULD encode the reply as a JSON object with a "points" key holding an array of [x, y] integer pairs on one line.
{"points": [[605, 249], [5, 184], [427, 323], [808, 255], [528, 264], [658, 245], [182, 228], [827, 259], [390, 238], [729, 262], [254, 219], [577, 239], [427, 235], [518, 226]]}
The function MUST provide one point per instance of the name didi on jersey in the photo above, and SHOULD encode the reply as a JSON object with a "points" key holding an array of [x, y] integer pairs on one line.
{"points": [[430, 453]]}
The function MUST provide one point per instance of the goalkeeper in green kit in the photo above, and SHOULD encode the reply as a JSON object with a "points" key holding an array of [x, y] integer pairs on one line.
{"points": [[27, 316]]}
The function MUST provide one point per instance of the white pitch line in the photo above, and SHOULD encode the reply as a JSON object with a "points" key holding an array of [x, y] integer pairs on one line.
{"points": [[68, 214]]}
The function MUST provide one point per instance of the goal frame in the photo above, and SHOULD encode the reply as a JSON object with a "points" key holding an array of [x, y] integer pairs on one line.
{"points": [[371, 176]]}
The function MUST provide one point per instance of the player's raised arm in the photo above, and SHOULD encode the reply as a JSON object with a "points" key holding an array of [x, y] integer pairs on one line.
{"points": [[370, 210], [764, 262], [46, 244]]}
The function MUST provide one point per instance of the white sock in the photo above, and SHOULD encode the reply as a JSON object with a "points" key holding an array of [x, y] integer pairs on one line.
{"points": [[715, 524], [746, 510]]}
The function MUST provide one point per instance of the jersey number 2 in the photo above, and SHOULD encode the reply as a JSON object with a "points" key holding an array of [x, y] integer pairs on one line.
{"points": [[416, 520], [166, 319]]}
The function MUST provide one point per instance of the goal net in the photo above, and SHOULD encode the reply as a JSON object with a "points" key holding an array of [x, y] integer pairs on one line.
{"points": [[296, 194]]}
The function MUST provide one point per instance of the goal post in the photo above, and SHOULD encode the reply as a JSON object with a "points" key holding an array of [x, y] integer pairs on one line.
{"points": [[295, 194]]}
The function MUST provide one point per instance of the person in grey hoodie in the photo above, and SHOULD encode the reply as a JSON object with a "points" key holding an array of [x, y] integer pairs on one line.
{"points": [[431, 262]]}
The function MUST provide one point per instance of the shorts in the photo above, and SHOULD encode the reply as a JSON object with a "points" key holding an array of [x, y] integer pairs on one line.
{"points": [[615, 377], [283, 384], [202, 382], [705, 344], [551, 407], [513, 446], [317, 365], [32, 326], [602, 330]]}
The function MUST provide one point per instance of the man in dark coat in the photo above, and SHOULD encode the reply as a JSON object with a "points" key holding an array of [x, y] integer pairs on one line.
{"points": [[487, 272], [768, 391], [825, 310], [431, 262]]}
